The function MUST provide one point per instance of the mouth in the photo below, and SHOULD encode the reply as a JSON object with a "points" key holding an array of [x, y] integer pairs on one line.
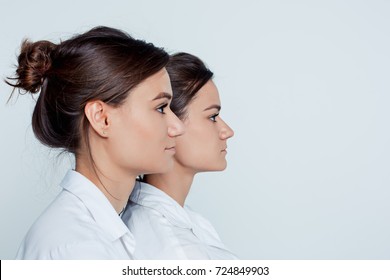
{"points": [[224, 150], [170, 149]]}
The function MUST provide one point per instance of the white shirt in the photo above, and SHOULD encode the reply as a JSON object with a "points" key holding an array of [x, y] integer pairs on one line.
{"points": [[79, 224], [164, 230]]}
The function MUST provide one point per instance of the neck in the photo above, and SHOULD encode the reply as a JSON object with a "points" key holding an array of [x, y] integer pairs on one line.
{"points": [[175, 183], [117, 190]]}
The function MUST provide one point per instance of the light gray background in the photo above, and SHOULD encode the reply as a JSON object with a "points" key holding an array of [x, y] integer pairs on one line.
{"points": [[305, 85]]}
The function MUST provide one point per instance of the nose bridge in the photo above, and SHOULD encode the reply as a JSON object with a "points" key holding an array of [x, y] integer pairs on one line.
{"points": [[175, 124], [225, 131]]}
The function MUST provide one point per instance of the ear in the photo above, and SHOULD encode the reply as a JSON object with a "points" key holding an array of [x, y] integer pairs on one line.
{"points": [[97, 114]]}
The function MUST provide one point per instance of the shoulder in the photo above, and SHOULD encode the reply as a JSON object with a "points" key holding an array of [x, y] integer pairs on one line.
{"points": [[155, 236], [198, 219], [209, 236], [64, 217], [203, 227], [139, 218], [65, 225], [78, 250]]}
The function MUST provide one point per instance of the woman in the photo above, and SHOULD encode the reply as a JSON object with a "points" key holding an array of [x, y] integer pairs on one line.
{"points": [[164, 228], [104, 97]]}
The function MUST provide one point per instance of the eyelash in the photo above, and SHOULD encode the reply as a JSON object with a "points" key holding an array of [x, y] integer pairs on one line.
{"points": [[161, 108], [212, 118]]}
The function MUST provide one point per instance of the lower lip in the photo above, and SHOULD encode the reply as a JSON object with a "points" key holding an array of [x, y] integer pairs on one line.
{"points": [[172, 150], [223, 151]]}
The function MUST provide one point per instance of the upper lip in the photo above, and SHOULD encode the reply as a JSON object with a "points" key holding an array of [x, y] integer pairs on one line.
{"points": [[224, 149]]}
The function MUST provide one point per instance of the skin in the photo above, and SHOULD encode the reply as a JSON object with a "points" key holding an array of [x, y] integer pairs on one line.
{"points": [[202, 148], [135, 138]]}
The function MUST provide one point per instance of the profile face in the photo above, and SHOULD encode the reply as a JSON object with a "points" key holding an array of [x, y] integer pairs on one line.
{"points": [[143, 130], [203, 146]]}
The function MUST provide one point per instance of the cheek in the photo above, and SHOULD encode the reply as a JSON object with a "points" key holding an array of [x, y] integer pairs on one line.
{"points": [[198, 149], [125, 142], [149, 129], [149, 146], [188, 151], [139, 143]]}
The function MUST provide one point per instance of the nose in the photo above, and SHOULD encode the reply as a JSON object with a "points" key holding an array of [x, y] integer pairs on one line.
{"points": [[226, 131], [175, 126]]}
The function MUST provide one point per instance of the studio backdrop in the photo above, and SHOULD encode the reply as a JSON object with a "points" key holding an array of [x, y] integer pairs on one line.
{"points": [[304, 84]]}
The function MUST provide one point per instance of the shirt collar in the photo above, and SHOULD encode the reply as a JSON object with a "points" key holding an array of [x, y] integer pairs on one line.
{"points": [[97, 204], [149, 196]]}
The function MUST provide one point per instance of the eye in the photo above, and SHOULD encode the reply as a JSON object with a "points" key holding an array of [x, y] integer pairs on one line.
{"points": [[161, 108], [213, 118]]}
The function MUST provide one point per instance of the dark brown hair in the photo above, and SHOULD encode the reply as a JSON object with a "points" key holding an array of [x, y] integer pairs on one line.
{"points": [[188, 75], [101, 64]]}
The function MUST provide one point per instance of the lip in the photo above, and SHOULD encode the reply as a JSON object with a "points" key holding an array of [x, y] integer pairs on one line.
{"points": [[171, 149], [224, 150]]}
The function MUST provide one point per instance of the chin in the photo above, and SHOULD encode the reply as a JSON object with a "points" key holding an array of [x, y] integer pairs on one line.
{"points": [[222, 168], [223, 165], [218, 167]]}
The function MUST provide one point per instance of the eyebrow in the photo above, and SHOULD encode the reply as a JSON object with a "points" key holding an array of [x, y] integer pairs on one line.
{"points": [[218, 107], [163, 95]]}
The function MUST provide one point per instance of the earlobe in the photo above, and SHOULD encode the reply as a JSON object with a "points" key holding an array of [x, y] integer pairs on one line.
{"points": [[96, 113]]}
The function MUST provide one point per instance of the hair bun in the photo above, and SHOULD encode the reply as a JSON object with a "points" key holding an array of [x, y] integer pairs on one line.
{"points": [[34, 62]]}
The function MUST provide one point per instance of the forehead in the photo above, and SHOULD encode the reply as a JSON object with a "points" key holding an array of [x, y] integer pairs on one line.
{"points": [[152, 86], [208, 95]]}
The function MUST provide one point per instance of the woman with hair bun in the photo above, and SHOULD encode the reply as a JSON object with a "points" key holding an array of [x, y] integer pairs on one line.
{"points": [[163, 226], [104, 97]]}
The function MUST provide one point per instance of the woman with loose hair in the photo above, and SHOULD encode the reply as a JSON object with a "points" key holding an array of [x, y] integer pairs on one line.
{"points": [[163, 226], [104, 97]]}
